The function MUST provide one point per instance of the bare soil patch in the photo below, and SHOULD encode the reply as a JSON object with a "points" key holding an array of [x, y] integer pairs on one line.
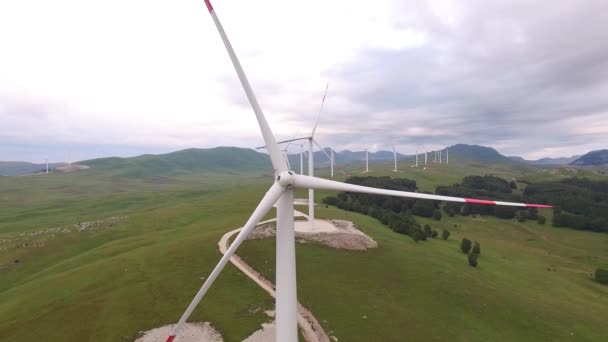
{"points": [[190, 332], [333, 233]]}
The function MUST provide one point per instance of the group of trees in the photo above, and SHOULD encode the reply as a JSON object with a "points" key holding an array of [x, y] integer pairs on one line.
{"points": [[580, 203], [482, 187], [397, 213], [601, 276], [472, 249]]}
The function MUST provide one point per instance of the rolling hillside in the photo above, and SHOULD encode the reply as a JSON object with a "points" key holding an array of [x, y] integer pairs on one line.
{"points": [[231, 160], [154, 240], [593, 158]]}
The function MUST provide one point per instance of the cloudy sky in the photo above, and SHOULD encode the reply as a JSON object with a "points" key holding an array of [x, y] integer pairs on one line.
{"points": [[90, 78]]}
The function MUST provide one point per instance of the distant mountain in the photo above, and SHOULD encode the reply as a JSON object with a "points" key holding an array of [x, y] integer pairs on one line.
{"points": [[16, 168], [593, 158], [230, 160], [546, 161], [463, 152]]}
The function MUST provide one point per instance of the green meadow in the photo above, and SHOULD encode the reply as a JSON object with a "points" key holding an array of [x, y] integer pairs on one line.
{"points": [[533, 281]]}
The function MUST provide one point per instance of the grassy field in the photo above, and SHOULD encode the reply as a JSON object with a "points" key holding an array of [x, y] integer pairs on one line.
{"points": [[533, 283], [140, 273]]}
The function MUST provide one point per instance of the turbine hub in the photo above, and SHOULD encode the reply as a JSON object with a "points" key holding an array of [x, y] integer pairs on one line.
{"points": [[286, 179]]}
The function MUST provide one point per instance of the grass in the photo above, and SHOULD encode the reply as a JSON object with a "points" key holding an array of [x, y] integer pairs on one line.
{"points": [[533, 283], [140, 274]]}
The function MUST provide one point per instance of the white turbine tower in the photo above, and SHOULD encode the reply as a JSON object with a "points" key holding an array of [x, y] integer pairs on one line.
{"points": [[281, 193], [301, 159], [416, 158], [366, 160], [447, 155], [395, 156], [332, 160], [47, 165]]}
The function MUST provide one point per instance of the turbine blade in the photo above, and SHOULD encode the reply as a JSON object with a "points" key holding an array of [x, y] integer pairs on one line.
{"points": [[291, 140], [320, 110], [265, 205], [326, 184], [321, 148], [278, 164]]}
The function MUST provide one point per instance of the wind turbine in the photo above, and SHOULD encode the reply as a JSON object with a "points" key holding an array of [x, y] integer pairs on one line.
{"points": [[395, 155], [281, 193], [301, 159], [447, 155], [366, 160], [47, 165], [332, 160], [311, 169]]}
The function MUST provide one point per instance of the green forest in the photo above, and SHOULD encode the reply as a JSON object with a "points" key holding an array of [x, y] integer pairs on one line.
{"points": [[579, 203]]}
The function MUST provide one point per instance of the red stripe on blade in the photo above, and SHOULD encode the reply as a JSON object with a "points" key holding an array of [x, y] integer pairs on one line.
{"points": [[478, 201], [538, 206], [172, 337], [210, 8]]}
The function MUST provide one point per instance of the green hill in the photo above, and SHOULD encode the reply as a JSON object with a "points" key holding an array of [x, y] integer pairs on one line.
{"points": [[463, 152], [533, 281], [593, 158], [231, 160]]}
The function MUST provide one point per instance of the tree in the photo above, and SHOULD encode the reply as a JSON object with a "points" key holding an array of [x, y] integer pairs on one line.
{"points": [[451, 212], [504, 212], [437, 215], [532, 213], [434, 234], [476, 248], [445, 234], [465, 245], [473, 259], [417, 234], [601, 276], [521, 216], [541, 219], [513, 184], [423, 208], [428, 231]]}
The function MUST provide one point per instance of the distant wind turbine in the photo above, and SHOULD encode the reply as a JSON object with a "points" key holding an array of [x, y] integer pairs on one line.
{"points": [[395, 156]]}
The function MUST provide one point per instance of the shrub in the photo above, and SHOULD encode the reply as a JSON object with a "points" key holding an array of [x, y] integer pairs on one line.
{"points": [[451, 212], [476, 248], [541, 219], [428, 231], [465, 211], [601, 276], [521, 216], [504, 212], [445, 234], [417, 234], [473, 259], [434, 234], [437, 215], [423, 208], [465, 245]]}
